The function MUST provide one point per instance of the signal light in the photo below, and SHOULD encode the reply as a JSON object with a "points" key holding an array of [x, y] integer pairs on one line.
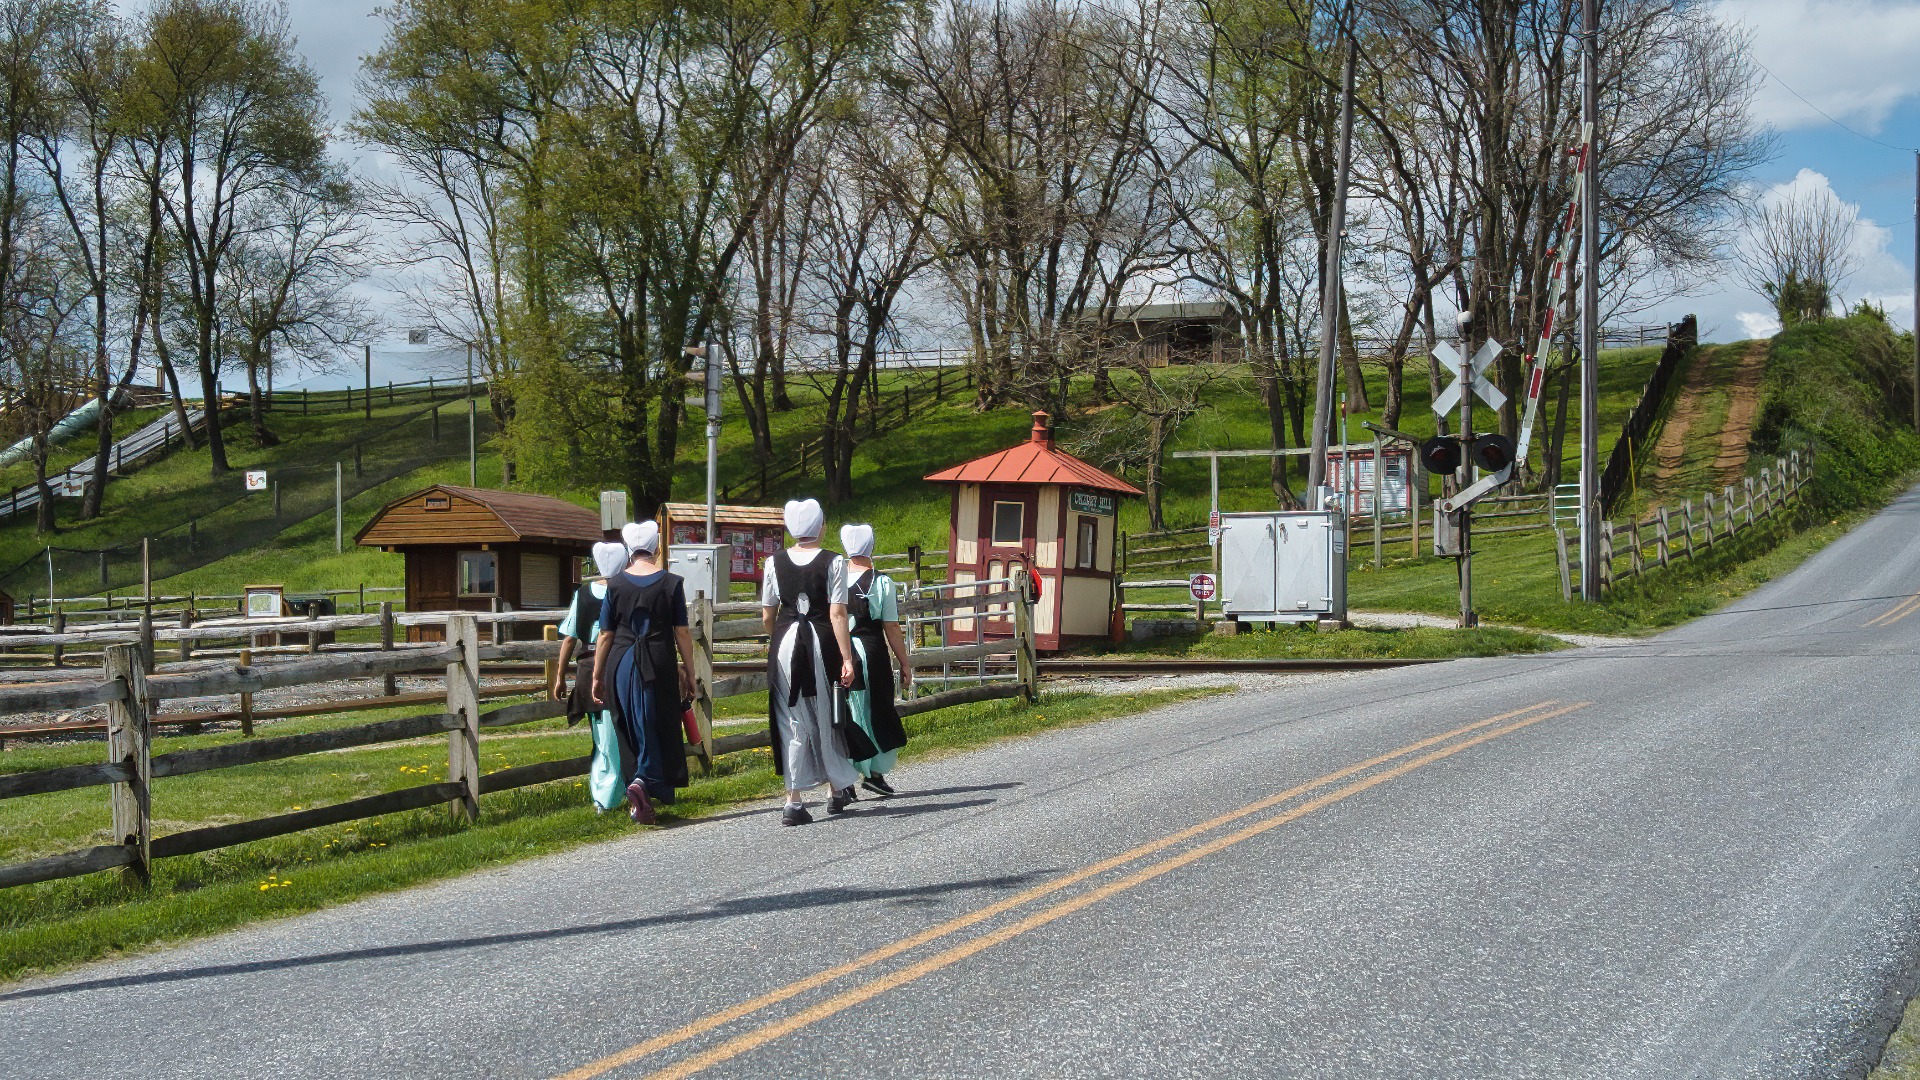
{"points": [[1440, 454], [1492, 452]]}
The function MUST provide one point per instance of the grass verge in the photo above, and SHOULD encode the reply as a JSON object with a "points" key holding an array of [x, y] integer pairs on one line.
{"points": [[58, 924]]}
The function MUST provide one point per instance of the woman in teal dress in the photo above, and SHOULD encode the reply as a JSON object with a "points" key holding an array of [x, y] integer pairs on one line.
{"points": [[874, 619]]}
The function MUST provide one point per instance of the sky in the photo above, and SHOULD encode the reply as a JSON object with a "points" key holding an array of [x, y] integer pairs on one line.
{"points": [[1841, 91]]}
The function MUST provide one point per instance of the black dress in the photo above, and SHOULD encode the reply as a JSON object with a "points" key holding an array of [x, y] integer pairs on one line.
{"points": [[876, 676]]}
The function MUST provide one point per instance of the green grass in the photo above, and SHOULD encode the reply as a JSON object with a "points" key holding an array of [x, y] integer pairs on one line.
{"points": [[1257, 642], [57, 924]]}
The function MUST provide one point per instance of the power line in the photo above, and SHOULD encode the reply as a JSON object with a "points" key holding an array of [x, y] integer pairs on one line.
{"points": [[1829, 118]]}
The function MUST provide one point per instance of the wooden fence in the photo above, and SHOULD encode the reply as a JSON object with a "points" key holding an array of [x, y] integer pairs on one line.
{"points": [[131, 690], [1666, 535]]}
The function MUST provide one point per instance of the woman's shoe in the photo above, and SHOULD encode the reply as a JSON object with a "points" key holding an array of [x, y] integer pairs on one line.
{"points": [[639, 807], [877, 784], [842, 797], [796, 815]]}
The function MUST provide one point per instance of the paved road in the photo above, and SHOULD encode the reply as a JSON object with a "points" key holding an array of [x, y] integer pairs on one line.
{"points": [[1696, 856]]}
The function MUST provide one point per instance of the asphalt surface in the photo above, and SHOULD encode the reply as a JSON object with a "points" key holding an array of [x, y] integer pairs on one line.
{"points": [[1698, 855]]}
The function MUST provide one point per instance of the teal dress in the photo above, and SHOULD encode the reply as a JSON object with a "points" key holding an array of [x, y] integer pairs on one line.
{"points": [[872, 602], [612, 761]]}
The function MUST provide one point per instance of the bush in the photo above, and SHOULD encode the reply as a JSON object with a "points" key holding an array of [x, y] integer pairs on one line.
{"points": [[1842, 388]]}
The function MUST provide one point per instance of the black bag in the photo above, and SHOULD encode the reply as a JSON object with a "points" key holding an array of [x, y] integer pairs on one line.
{"points": [[852, 735]]}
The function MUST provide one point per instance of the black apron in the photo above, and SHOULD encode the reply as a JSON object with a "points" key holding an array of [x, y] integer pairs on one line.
{"points": [[814, 626], [877, 673], [586, 611]]}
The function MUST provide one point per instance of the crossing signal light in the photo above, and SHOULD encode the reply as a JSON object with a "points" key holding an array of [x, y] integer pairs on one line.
{"points": [[1440, 454], [1492, 452]]}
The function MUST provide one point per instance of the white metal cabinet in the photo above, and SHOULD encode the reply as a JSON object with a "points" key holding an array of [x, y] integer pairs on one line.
{"points": [[1283, 566]]}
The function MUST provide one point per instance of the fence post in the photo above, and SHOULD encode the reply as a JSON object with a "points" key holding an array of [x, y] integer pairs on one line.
{"points": [[1023, 647], [127, 744], [388, 686], [702, 620], [246, 698], [1666, 537], [313, 626], [1633, 527], [498, 626], [1560, 551], [186, 643], [1606, 555], [463, 701], [1686, 523], [146, 638], [1379, 496], [59, 627]]}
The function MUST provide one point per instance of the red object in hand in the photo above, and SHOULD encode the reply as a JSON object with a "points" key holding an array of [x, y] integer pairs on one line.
{"points": [[690, 722]]}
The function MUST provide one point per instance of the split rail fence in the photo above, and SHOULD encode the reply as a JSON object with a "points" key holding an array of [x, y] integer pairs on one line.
{"points": [[1668, 535], [131, 690]]}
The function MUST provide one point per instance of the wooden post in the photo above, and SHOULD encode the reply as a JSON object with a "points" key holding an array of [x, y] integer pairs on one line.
{"points": [[186, 643], [702, 619], [59, 627], [246, 699], [388, 686], [1686, 523], [1379, 497], [1633, 527], [1746, 486], [1606, 555], [127, 744], [1023, 647], [1416, 480], [499, 627], [1665, 535], [1566, 574], [146, 639], [463, 701]]}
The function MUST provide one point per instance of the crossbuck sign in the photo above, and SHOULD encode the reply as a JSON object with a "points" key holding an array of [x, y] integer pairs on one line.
{"points": [[1470, 375]]}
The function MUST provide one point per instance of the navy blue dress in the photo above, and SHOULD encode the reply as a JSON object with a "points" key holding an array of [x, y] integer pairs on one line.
{"points": [[643, 675]]}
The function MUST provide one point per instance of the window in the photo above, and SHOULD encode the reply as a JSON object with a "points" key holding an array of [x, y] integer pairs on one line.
{"points": [[477, 573], [1009, 523], [1088, 537], [439, 502]]}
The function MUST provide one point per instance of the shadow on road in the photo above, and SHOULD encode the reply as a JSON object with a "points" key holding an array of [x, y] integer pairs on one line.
{"points": [[725, 909], [865, 802]]}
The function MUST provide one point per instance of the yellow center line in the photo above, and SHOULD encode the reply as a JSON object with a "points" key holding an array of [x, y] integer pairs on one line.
{"points": [[752, 1040], [1894, 614], [886, 952]]}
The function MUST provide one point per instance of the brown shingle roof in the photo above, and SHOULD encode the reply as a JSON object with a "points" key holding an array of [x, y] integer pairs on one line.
{"points": [[525, 517]]}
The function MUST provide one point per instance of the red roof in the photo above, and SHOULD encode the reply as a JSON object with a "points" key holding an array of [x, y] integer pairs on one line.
{"points": [[1034, 462]]}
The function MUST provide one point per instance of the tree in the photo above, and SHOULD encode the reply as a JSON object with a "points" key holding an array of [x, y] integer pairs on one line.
{"points": [[287, 284], [219, 91], [1799, 250], [1135, 437]]}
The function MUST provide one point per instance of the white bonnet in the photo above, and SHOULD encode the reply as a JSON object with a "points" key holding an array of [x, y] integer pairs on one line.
{"points": [[804, 518], [857, 541], [610, 557], [642, 537]]}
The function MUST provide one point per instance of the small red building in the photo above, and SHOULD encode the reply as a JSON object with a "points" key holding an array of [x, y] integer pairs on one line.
{"points": [[1032, 506], [754, 532]]}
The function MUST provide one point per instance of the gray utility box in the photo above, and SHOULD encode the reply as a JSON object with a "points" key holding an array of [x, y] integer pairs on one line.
{"points": [[705, 568], [1285, 566]]}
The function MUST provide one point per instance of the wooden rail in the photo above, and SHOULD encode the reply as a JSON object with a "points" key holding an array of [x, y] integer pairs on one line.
{"points": [[131, 693], [1667, 536]]}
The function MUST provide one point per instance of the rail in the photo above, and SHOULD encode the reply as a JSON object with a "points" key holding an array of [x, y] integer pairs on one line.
{"points": [[131, 692], [1666, 536]]}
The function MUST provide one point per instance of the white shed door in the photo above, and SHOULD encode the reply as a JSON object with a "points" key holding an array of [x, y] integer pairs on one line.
{"points": [[1246, 565], [539, 581]]}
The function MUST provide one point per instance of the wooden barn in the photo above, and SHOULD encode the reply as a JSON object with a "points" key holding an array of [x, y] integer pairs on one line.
{"points": [[469, 549], [1190, 333], [1035, 507]]}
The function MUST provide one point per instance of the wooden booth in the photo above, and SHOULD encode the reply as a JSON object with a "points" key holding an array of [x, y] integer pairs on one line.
{"points": [[469, 549], [754, 532], [1033, 506]]}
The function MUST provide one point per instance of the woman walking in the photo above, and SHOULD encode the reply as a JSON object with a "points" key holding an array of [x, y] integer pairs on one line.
{"points": [[804, 608], [643, 623], [874, 624], [580, 632]]}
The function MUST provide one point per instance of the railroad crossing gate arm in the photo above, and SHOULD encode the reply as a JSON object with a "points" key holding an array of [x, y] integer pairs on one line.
{"points": [[1469, 495]]}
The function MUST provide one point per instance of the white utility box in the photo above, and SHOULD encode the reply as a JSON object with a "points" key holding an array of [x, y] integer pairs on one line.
{"points": [[1284, 566], [706, 568]]}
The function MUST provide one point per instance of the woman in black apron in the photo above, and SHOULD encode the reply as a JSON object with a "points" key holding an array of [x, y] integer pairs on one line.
{"points": [[804, 607], [642, 625], [873, 608]]}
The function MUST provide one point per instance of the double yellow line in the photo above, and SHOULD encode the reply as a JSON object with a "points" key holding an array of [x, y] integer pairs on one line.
{"points": [[1415, 755], [1893, 615]]}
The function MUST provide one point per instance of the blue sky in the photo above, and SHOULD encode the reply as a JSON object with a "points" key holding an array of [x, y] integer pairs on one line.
{"points": [[1854, 60]]}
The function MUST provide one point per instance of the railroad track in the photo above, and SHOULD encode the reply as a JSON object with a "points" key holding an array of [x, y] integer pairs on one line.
{"points": [[1070, 667]]}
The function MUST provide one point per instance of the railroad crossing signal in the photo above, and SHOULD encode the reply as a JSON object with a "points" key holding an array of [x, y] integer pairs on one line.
{"points": [[1473, 375]]}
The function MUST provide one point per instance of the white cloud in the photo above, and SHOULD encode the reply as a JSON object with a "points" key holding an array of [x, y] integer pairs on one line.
{"points": [[1851, 58], [1757, 324]]}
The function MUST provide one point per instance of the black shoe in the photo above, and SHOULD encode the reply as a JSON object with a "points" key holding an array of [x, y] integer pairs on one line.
{"points": [[877, 784], [796, 815], [841, 798]]}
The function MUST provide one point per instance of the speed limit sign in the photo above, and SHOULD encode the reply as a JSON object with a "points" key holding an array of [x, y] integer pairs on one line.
{"points": [[1202, 586]]}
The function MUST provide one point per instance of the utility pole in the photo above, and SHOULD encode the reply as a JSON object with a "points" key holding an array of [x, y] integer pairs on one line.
{"points": [[710, 382], [1590, 308], [1330, 284], [1916, 290], [473, 422]]}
